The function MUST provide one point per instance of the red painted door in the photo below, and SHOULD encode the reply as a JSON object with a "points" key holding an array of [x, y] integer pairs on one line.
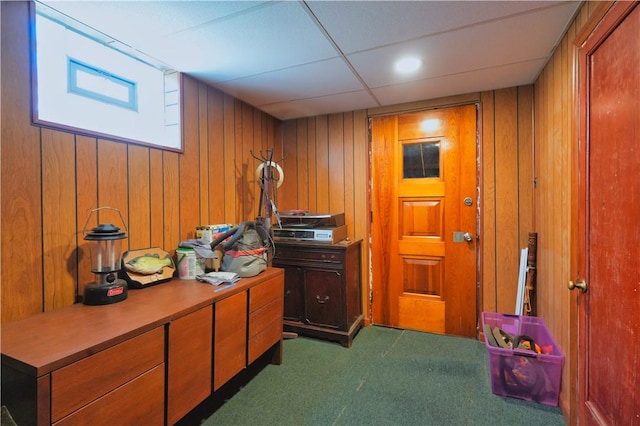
{"points": [[609, 232]]}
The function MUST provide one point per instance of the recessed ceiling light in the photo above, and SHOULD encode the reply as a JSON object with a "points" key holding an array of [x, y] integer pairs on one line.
{"points": [[408, 65]]}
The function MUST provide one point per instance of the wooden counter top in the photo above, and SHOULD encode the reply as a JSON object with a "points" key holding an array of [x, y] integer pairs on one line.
{"points": [[44, 342]]}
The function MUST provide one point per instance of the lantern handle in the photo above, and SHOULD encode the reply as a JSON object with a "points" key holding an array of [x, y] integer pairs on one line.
{"points": [[84, 229]]}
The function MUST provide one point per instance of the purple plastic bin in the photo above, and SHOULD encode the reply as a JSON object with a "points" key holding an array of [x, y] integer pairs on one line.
{"points": [[520, 373]]}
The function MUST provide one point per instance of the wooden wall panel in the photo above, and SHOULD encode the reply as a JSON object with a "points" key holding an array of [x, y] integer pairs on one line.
{"points": [[247, 183], [312, 166], [21, 251], [190, 161], [86, 189], [229, 173], [288, 192], [215, 132], [113, 184], [525, 164], [361, 175], [488, 266], [171, 201], [321, 158], [156, 199], [237, 169], [301, 165], [335, 163], [203, 154], [58, 217], [506, 159], [348, 177], [139, 227]]}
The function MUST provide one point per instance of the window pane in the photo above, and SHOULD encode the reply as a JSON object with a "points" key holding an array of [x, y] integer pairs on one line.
{"points": [[101, 85], [421, 160]]}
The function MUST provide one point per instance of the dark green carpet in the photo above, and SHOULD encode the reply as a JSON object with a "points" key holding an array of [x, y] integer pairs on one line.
{"points": [[387, 377]]}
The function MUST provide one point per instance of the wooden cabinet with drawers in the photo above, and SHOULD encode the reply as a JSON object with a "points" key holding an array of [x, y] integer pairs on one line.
{"points": [[322, 289], [82, 365]]}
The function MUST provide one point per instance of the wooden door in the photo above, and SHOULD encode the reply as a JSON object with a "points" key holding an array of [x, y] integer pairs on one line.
{"points": [[424, 194], [609, 227]]}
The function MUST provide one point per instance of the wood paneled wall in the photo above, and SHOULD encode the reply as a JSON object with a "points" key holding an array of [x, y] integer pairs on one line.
{"points": [[556, 145], [51, 180], [506, 188]]}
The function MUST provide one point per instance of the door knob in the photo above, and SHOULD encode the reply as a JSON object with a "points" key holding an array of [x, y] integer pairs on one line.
{"points": [[467, 237], [581, 284]]}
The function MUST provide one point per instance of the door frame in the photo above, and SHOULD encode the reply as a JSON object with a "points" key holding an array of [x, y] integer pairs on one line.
{"points": [[477, 102]]}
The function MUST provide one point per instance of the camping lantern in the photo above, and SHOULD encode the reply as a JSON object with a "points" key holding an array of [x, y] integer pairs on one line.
{"points": [[106, 253]]}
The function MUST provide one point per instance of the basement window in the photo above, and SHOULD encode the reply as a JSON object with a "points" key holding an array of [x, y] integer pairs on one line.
{"points": [[88, 83]]}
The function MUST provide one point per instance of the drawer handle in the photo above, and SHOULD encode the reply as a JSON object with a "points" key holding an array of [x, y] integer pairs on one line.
{"points": [[286, 293], [322, 302]]}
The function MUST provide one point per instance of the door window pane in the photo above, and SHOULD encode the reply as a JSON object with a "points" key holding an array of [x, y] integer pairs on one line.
{"points": [[421, 160]]}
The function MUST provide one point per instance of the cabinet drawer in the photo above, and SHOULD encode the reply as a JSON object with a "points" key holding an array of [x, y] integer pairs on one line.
{"points": [[262, 341], [264, 318], [262, 294], [138, 402], [82, 382], [316, 255]]}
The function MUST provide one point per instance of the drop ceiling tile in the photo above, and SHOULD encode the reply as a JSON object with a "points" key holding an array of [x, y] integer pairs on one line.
{"points": [[341, 102], [468, 82], [262, 40], [305, 81], [133, 21]]}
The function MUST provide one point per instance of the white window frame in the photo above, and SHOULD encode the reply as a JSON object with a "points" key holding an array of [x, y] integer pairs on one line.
{"points": [[75, 68], [129, 108]]}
